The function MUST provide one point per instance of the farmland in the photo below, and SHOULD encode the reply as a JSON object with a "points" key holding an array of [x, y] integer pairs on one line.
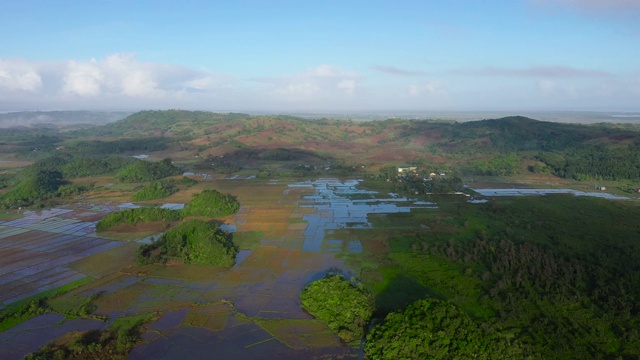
{"points": [[253, 303]]}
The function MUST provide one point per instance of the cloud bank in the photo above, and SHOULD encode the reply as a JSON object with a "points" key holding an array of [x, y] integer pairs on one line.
{"points": [[122, 82], [114, 78]]}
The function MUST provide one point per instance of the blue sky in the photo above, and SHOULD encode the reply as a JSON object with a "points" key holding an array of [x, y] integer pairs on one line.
{"points": [[321, 56]]}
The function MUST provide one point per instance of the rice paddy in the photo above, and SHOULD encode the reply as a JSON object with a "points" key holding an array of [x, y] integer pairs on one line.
{"points": [[291, 235]]}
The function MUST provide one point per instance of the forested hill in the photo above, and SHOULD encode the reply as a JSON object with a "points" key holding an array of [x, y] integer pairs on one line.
{"points": [[163, 122], [521, 133], [509, 133], [503, 146]]}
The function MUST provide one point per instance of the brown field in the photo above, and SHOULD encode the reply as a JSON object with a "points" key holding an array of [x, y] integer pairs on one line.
{"points": [[14, 164], [36, 252], [300, 334], [211, 317], [106, 262], [120, 300]]}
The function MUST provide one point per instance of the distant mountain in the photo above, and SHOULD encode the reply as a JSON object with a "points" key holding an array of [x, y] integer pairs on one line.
{"points": [[502, 146], [59, 118]]}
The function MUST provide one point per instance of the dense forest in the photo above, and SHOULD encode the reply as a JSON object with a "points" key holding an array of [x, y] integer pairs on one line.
{"points": [[558, 275]]}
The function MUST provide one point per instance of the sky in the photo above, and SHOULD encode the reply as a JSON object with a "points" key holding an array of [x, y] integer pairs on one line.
{"points": [[320, 56]]}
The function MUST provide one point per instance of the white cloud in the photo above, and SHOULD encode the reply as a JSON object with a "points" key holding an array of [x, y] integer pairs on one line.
{"points": [[19, 75], [330, 71], [348, 85], [83, 78], [428, 88], [116, 80], [121, 81], [319, 83], [132, 78]]}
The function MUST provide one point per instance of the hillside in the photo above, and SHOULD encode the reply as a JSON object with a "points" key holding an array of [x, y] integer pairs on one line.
{"points": [[566, 150], [505, 146]]}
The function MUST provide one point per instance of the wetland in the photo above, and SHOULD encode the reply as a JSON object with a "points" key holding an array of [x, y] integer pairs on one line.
{"points": [[515, 246]]}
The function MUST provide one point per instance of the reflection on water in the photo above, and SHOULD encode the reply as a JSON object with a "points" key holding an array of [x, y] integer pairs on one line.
{"points": [[530, 192], [335, 209]]}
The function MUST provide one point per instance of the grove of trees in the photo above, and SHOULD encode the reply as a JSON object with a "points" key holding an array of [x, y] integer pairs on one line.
{"points": [[346, 307], [211, 203], [192, 242], [435, 329]]}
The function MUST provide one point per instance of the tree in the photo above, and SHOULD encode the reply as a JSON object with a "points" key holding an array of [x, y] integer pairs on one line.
{"points": [[344, 306], [434, 329], [192, 242], [211, 203]]}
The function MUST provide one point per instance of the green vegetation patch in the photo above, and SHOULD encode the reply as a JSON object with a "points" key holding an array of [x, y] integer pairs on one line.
{"points": [[9, 216], [300, 334], [92, 166], [25, 309], [434, 329], [154, 190], [211, 203], [193, 242], [443, 279], [247, 240], [115, 342], [211, 317], [344, 306], [140, 171], [162, 189], [134, 216], [33, 187]]}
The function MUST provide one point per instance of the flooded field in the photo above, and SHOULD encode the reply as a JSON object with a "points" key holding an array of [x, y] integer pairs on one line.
{"points": [[340, 205], [247, 311], [37, 249], [540, 192]]}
